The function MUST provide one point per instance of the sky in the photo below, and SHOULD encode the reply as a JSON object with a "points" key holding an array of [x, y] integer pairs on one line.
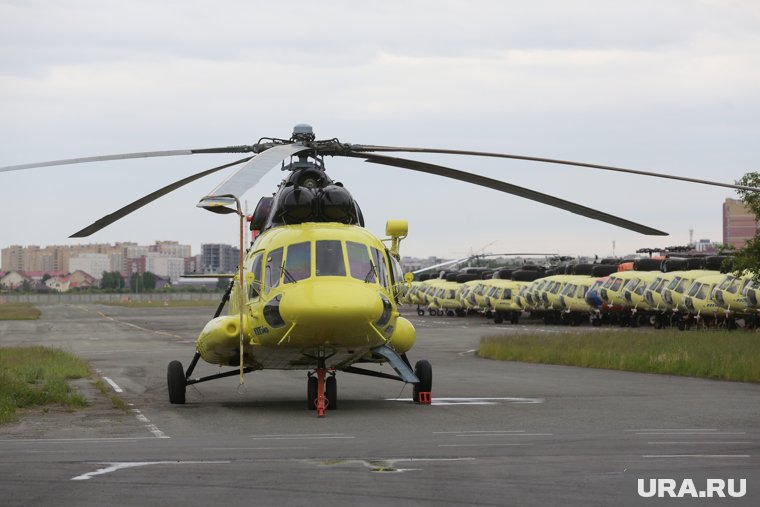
{"points": [[669, 86]]}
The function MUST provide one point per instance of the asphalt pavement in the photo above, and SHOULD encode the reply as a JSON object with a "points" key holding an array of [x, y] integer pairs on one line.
{"points": [[497, 433]]}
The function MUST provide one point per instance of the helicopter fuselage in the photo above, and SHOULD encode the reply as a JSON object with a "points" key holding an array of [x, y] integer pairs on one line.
{"points": [[312, 291]]}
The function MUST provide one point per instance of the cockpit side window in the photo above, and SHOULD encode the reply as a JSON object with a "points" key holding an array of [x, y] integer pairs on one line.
{"points": [[273, 269], [330, 258], [298, 262], [359, 262], [381, 266], [254, 281]]}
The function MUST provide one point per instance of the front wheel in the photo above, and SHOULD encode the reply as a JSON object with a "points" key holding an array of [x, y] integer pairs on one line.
{"points": [[311, 393], [424, 371], [331, 392], [175, 378]]}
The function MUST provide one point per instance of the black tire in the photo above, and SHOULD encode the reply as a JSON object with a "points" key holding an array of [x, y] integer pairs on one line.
{"points": [[311, 393], [515, 318], [498, 318], [420, 312], [424, 371], [331, 392], [596, 321], [175, 378], [431, 312]]}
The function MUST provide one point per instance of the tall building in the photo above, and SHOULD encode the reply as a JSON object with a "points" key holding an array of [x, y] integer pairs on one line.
{"points": [[218, 258], [739, 223], [94, 264]]}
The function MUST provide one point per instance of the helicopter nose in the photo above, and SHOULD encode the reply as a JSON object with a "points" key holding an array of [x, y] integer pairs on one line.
{"points": [[329, 304]]}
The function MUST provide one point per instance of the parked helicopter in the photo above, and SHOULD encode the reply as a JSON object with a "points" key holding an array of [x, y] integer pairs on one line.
{"points": [[316, 291]]}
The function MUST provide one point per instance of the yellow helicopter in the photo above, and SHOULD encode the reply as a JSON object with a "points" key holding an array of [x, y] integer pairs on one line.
{"points": [[315, 290]]}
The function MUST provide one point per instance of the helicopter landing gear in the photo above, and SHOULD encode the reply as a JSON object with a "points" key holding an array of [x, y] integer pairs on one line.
{"points": [[420, 311], [422, 391], [175, 378], [322, 391]]}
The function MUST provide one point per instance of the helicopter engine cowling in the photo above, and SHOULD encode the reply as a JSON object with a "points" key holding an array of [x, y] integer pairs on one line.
{"points": [[336, 205], [298, 205]]}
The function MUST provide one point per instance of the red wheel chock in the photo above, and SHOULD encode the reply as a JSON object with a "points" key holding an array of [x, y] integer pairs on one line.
{"points": [[425, 398]]}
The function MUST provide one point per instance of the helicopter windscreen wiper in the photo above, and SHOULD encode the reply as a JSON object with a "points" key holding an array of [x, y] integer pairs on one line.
{"points": [[372, 272]]}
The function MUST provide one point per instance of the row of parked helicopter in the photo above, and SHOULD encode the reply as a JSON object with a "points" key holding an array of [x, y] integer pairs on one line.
{"points": [[682, 292]]}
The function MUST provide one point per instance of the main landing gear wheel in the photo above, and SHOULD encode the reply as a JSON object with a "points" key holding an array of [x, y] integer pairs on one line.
{"points": [[175, 378], [424, 372]]}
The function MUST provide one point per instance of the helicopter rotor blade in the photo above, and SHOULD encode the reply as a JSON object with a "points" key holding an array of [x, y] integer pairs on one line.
{"points": [[126, 210], [247, 176], [123, 156], [510, 189], [358, 148]]}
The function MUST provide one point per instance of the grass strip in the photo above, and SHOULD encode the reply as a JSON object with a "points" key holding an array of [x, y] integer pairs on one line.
{"points": [[19, 311], [37, 376], [721, 355]]}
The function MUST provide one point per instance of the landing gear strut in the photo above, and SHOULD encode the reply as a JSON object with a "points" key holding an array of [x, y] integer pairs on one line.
{"points": [[322, 390]]}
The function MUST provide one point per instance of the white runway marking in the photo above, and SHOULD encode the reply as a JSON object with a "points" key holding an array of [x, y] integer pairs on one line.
{"points": [[113, 467], [327, 436], [150, 426], [114, 385], [474, 401]]}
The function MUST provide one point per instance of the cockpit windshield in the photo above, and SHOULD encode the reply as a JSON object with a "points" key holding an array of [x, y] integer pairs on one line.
{"points": [[329, 258]]}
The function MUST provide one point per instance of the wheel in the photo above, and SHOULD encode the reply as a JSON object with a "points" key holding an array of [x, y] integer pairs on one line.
{"points": [[424, 372], [175, 378], [498, 318], [331, 392], [681, 325], [515, 318], [596, 322], [311, 393], [431, 312], [420, 312], [449, 313], [658, 324]]}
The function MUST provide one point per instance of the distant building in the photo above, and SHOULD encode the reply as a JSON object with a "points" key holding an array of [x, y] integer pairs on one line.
{"points": [[739, 223], [93, 264], [14, 280], [219, 258]]}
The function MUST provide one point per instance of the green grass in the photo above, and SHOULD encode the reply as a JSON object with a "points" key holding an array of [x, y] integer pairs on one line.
{"points": [[162, 304], [36, 376], [19, 311], [708, 354]]}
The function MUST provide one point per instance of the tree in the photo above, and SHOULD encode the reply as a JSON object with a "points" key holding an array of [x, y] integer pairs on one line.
{"points": [[112, 280], [748, 258], [149, 281]]}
